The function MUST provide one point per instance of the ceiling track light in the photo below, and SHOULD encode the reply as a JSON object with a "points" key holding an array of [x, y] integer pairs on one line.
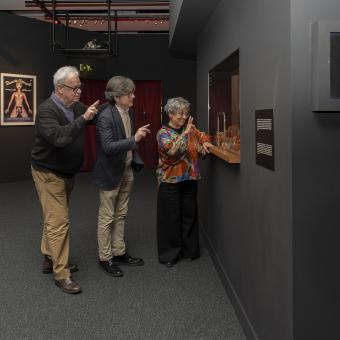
{"points": [[84, 19]]}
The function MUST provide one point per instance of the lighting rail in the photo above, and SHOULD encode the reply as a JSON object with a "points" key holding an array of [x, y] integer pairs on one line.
{"points": [[57, 47]]}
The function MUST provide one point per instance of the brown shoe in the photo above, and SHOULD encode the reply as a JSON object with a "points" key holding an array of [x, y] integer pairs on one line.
{"points": [[68, 286], [47, 266]]}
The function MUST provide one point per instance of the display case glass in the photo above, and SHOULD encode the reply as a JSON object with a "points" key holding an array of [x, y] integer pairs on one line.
{"points": [[224, 109]]}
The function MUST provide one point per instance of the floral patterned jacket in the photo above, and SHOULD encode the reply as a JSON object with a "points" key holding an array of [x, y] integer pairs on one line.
{"points": [[178, 154]]}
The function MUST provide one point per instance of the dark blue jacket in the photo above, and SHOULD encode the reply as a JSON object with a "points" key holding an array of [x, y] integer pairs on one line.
{"points": [[112, 148]]}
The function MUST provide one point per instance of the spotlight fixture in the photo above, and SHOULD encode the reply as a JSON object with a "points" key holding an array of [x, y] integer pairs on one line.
{"points": [[91, 45]]}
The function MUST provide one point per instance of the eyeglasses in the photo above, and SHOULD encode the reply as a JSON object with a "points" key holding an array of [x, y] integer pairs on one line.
{"points": [[183, 114], [74, 89]]}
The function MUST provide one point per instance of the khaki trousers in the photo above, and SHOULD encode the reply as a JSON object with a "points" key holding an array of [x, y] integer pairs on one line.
{"points": [[54, 195], [113, 209]]}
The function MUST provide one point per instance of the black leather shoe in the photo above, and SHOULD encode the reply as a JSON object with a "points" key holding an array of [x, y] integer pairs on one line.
{"points": [[47, 266], [190, 259], [68, 286], [126, 259], [110, 268]]}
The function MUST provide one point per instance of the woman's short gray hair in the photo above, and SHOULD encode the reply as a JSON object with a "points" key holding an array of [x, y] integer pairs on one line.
{"points": [[63, 73], [177, 104], [119, 86]]}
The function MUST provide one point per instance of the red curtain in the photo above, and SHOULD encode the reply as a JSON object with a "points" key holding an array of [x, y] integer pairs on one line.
{"points": [[93, 90], [147, 108]]}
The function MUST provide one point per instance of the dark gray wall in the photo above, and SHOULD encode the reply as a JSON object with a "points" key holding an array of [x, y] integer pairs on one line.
{"points": [[141, 57], [246, 210], [175, 8], [24, 49], [187, 18], [316, 193]]}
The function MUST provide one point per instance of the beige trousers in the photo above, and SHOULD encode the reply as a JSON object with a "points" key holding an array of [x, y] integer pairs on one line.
{"points": [[54, 195], [113, 209]]}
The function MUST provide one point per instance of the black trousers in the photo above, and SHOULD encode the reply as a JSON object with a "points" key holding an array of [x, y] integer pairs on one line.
{"points": [[177, 221]]}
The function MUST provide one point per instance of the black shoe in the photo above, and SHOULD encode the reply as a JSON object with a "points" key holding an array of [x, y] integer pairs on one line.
{"points": [[110, 268], [190, 259], [169, 264], [126, 259], [47, 267]]}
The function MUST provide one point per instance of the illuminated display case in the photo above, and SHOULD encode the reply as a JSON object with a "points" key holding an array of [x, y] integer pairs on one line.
{"points": [[224, 109]]}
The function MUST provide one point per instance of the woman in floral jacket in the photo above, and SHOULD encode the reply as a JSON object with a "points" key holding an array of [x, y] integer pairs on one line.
{"points": [[179, 148]]}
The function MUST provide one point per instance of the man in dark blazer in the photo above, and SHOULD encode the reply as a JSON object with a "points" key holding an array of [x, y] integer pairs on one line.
{"points": [[56, 156], [113, 173]]}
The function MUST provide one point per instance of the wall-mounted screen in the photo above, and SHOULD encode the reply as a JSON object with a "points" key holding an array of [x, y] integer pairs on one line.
{"points": [[335, 64], [326, 66]]}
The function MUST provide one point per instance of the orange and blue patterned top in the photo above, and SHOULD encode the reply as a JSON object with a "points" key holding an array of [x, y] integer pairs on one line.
{"points": [[178, 154]]}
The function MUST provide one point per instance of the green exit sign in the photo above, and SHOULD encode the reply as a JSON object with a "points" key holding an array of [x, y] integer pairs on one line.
{"points": [[85, 68]]}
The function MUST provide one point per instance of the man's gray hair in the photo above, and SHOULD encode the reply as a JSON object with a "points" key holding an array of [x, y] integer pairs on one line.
{"points": [[63, 73], [119, 86], [177, 104]]}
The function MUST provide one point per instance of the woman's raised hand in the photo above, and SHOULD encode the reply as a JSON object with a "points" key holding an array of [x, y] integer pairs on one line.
{"points": [[205, 148], [189, 125]]}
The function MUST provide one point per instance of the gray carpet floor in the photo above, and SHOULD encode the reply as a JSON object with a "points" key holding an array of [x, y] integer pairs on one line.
{"points": [[186, 301]]}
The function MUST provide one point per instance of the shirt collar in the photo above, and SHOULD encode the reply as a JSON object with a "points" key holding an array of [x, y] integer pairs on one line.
{"points": [[121, 110], [59, 101]]}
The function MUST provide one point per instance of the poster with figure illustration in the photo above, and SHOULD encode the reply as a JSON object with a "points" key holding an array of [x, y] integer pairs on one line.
{"points": [[18, 99]]}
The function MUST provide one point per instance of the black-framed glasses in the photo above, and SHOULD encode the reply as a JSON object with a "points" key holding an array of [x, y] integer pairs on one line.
{"points": [[74, 89]]}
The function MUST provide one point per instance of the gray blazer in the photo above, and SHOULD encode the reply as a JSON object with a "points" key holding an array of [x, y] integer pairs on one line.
{"points": [[112, 148]]}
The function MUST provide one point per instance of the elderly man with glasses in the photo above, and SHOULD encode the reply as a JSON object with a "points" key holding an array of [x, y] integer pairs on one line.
{"points": [[56, 156]]}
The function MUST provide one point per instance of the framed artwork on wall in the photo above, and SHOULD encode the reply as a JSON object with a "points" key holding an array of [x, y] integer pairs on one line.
{"points": [[18, 99]]}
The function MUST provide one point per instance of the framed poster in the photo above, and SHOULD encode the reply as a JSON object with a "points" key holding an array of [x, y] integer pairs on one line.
{"points": [[18, 99]]}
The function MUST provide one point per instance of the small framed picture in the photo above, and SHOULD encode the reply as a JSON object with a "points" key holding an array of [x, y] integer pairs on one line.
{"points": [[18, 99]]}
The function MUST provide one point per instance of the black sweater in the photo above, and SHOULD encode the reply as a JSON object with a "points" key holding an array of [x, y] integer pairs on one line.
{"points": [[58, 145]]}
